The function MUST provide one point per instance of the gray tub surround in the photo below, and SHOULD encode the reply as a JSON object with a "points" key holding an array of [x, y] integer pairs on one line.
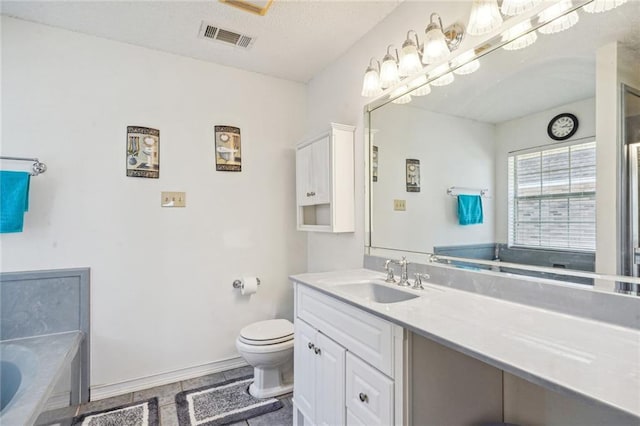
{"points": [[51, 304], [593, 361], [41, 360]]}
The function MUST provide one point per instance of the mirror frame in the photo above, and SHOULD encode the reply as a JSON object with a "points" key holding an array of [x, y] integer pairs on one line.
{"points": [[490, 43]]}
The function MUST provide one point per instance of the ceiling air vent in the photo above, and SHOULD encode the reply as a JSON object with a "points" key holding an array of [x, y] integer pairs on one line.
{"points": [[228, 37]]}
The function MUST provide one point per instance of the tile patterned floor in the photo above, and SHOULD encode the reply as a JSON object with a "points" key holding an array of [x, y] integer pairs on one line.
{"points": [[167, 405]]}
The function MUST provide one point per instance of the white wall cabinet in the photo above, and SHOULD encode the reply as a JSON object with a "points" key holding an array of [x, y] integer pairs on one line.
{"points": [[325, 182], [349, 364]]}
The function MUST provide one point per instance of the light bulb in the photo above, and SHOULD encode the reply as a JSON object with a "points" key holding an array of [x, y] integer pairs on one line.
{"points": [[420, 85], [389, 72], [371, 83], [403, 98], [435, 46], [598, 6], [523, 39], [444, 79], [562, 22], [516, 7], [468, 64], [410, 60], [485, 17]]}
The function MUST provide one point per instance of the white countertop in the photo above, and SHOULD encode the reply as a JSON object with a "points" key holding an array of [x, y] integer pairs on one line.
{"points": [[591, 360]]}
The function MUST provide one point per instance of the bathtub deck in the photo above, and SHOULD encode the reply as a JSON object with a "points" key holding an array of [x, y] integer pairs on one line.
{"points": [[54, 352]]}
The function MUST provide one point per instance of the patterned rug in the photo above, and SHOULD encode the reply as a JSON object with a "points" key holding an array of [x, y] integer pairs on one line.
{"points": [[221, 404], [141, 413]]}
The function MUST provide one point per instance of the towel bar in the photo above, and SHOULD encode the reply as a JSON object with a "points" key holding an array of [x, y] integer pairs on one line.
{"points": [[37, 167]]}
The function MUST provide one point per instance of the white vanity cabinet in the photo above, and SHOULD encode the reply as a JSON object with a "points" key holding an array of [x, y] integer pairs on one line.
{"points": [[325, 181], [349, 364]]}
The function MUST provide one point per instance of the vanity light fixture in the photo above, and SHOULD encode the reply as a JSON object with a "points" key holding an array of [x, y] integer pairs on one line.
{"points": [[439, 43], [470, 65], [410, 61], [485, 17], [371, 83], [404, 99], [598, 6], [420, 85], [525, 38], [445, 79], [516, 7], [559, 24], [389, 74]]}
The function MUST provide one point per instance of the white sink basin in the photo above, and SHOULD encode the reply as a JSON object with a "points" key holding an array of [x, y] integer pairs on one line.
{"points": [[374, 292]]}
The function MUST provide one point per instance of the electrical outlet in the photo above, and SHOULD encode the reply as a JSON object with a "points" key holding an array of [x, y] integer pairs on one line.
{"points": [[399, 205], [173, 199]]}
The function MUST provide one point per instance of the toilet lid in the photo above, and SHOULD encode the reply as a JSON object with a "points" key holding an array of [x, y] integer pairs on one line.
{"points": [[262, 331]]}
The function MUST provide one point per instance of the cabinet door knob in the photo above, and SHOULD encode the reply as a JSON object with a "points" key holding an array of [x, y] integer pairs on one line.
{"points": [[363, 397], [311, 345], [313, 193], [317, 351]]}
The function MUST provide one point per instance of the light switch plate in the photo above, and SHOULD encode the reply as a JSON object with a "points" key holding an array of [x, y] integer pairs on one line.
{"points": [[400, 205], [173, 199]]}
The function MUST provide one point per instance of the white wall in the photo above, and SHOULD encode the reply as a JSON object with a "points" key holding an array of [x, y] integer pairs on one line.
{"points": [[161, 279], [452, 151], [334, 95], [529, 132]]}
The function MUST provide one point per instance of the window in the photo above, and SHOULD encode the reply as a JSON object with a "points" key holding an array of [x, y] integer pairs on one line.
{"points": [[552, 198]]}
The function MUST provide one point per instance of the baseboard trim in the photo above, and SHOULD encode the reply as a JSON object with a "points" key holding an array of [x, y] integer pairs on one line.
{"points": [[133, 385]]}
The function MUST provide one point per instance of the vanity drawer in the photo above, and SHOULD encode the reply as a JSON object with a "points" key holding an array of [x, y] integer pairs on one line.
{"points": [[365, 335], [369, 394]]}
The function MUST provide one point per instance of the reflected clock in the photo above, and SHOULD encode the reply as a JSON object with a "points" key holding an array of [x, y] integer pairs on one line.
{"points": [[562, 126]]}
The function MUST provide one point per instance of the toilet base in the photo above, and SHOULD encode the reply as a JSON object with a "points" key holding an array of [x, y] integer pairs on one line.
{"points": [[270, 382], [270, 392]]}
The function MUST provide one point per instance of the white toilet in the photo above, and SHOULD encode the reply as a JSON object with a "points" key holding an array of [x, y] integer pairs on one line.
{"points": [[268, 347]]}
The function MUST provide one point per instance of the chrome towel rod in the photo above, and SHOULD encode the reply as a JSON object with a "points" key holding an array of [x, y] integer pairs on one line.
{"points": [[457, 190], [37, 167]]}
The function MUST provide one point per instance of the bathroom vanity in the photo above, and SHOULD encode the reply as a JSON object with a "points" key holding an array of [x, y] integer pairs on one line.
{"points": [[369, 352]]}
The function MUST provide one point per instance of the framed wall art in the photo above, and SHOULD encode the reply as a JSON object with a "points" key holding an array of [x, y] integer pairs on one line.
{"points": [[228, 149], [413, 175], [143, 152]]}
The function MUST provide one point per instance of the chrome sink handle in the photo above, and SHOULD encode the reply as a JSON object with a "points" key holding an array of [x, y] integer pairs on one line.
{"points": [[389, 269], [417, 284]]}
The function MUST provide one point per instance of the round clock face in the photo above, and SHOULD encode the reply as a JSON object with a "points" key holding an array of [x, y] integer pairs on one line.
{"points": [[562, 126]]}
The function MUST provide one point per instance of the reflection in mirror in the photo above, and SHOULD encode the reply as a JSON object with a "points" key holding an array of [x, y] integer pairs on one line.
{"points": [[525, 137]]}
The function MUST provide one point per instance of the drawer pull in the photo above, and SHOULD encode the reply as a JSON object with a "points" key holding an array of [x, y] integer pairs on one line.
{"points": [[311, 345], [363, 397], [311, 194], [317, 351]]}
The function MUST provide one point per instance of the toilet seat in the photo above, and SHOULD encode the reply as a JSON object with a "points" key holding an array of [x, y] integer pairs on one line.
{"points": [[265, 333]]}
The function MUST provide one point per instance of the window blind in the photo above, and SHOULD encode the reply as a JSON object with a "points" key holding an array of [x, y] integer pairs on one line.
{"points": [[552, 198]]}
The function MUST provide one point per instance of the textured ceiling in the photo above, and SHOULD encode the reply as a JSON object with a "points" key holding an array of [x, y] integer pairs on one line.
{"points": [[295, 40]]}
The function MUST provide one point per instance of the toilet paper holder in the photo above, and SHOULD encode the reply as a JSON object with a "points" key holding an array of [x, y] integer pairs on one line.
{"points": [[238, 283]]}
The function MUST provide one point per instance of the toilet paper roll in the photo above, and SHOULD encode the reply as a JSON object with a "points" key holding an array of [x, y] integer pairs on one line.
{"points": [[249, 285]]}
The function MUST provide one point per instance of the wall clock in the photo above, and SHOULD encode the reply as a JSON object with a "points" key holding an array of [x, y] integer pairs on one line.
{"points": [[562, 126]]}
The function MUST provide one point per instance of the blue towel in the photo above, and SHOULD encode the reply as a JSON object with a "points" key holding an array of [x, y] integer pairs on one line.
{"points": [[470, 209], [14, 200]]}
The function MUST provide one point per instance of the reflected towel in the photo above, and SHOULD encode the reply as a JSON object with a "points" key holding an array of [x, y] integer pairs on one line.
{"points": [[470, 209], [14, 200]]}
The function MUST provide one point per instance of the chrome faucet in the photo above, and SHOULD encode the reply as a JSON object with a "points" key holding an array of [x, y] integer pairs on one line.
{"points": [[404, 277], [417, 284], [389, 269]]}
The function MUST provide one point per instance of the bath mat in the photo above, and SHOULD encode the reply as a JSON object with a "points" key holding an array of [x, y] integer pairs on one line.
{"points": [[221, 404], [141, 413]]}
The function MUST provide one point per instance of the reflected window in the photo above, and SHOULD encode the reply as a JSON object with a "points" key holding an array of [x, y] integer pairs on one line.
{"points": [[552, 198]]}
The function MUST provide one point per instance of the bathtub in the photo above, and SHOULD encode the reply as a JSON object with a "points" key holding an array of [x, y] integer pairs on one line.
{"points": [[29, 370]]}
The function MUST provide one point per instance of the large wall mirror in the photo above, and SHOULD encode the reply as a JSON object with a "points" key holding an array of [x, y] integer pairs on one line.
{"points": [[545, 138]]}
